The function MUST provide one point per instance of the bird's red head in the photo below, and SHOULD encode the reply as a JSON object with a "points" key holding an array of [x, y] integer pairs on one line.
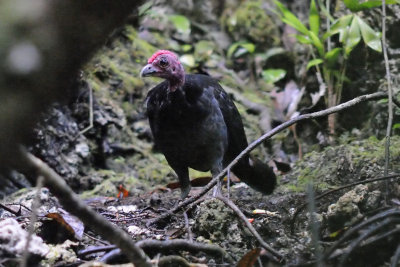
{"points": [[165, 64]]}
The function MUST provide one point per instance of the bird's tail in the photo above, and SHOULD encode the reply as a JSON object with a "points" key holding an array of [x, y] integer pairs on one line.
{"points": [[256, 174]]}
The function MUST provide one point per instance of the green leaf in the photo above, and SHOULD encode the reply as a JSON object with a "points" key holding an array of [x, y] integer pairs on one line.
{"points": [[186, 48], [314, 62], [239, 48], [314, 18], [317, 43], [273, 75], [353, 37], [353, 5], [203, 48], [290, 19], [324, 11], [331, 57], [250, 47], [370, 37], [339, 26], [303, 39], [273, 52], [232, 49], [396, 126], [144, 8], [188, 60], [181, 23]]}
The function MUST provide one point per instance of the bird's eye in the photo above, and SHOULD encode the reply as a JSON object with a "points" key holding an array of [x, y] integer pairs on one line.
{"points": [[164, 62]]}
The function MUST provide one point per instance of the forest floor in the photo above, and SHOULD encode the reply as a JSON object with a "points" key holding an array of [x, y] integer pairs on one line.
{"points": [[117, 171]]}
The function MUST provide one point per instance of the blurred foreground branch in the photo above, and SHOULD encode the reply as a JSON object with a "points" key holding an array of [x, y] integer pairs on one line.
{"points": [[77, 207]]}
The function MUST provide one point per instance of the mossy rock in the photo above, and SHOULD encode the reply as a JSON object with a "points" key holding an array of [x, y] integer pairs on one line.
{"points": [[250, 21], [342, 164], [110, 182]]}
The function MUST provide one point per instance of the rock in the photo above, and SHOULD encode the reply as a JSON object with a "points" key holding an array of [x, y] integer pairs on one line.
{"points": [[216, 222], [346, 210], [13, 240]]}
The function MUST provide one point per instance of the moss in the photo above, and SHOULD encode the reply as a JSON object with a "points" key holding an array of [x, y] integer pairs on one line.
{"points": [[250, 21], [110, 182], [351, 161]]}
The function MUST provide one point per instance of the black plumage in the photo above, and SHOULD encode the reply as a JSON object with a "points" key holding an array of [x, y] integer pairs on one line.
{"points": [[195, 124]]}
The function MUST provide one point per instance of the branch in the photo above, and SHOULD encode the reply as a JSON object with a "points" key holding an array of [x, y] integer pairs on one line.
{"points": [[77, 207], [162, 245], [275, 254], [182, 244], [390, 96], [254, 144]]}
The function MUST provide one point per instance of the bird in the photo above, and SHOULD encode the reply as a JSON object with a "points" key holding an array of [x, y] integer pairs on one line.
{"points": [[195, 124]]}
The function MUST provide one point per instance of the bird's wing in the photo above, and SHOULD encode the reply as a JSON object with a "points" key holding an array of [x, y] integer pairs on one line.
{"points": [[237, 141]]}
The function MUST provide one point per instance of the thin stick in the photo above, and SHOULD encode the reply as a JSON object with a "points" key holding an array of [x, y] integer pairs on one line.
{"points": [[167, 245], [33, 220], [254, 144], [90, 112], [275, 254], [390, 97], [396, 256], [314, 225], [189, 232]]}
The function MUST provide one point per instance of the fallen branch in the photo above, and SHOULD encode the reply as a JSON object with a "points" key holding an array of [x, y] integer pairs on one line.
{"points": [[163, 245], [353, 230], [77, 207], [274, 255], [254, 144]]}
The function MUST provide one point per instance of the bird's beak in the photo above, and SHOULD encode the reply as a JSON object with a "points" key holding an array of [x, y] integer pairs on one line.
{"points": [[148, 70]]}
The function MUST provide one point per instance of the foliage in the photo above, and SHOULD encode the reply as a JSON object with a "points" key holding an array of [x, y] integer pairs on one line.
{"points": [[355, 5], [331, 62], [250, 21], [181, 23], [273, 75]]}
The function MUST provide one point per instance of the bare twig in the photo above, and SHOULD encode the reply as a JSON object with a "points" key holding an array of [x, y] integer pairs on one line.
{"points": [[390, 96], [77, 207], [32, 221], [355, 229], [396, 257], [92, 250], [296, 213], [90, 112], [16, 213], [314, 225], [254, 144], [189, 232], [364, 236], [182, 244], [168, 245], [275, 255]]}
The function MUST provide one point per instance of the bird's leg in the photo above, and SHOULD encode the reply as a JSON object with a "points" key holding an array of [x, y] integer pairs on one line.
{"points": [[214, 172], [183, 176], [229, 181]]}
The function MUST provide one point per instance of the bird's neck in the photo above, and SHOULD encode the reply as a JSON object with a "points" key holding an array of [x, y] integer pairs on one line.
{"points": [[176, 84], [177, 80]]}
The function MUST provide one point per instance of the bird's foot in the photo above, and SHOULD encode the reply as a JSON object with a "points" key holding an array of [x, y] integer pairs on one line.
{"points": [[185, 191]]}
